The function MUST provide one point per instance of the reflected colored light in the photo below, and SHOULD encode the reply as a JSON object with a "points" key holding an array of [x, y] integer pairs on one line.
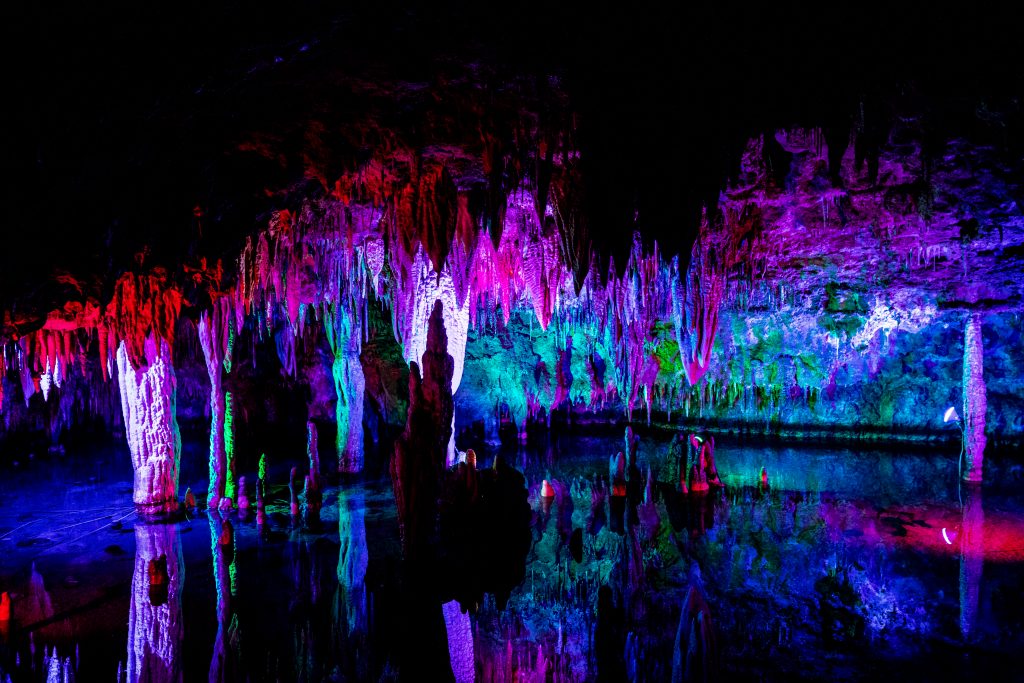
{"points": [[946, 536]]}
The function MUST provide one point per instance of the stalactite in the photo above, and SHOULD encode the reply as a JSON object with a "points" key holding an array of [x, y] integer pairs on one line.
{"points": [[214, 336], [148, 406], [695, 308]]}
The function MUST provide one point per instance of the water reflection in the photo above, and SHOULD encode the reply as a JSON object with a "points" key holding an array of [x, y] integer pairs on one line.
{"points": [[350, 604], [309, 614], [155, 628], [224, 665], [972, 557]]}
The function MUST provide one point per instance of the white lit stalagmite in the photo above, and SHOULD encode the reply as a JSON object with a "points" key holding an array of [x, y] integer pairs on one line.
{"points": [[155, 627], [425, 288], [148, 405], [975, 402]]}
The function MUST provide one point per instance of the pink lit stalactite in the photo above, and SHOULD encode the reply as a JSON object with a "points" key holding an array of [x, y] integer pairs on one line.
{"points": [[975, 402], [155, 625], [695, 308], [972, 557], [148, 406]]}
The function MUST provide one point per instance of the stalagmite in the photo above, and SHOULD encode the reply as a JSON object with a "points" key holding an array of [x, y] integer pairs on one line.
{"points": [[155, 625], [343, 334], [419, 460], [148, 405], [213, 353], [426, 288], [975, 402]]}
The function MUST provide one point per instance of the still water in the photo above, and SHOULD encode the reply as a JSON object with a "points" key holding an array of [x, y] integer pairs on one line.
{"points": [[853, 565]]}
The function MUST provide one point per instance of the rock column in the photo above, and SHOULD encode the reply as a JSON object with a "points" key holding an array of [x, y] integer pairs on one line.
{"points": [[148, 406], [975, 402]]}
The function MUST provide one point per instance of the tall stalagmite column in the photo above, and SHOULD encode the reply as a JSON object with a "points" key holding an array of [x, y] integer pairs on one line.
{"points": [[148, 405], [343, 335], [975, 402], [427, 288], [155, 626], [215, 336]]}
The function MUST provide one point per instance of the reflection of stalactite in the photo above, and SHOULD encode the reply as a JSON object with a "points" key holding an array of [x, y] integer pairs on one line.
{"points": [[975, 403], [224, 663], [308, 613], [148, 405], [695, 654], [972, 558], [155, 626], [460, 642]]}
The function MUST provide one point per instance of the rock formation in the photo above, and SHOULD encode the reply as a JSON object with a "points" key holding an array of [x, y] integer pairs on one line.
{"points": [[148, 404]]}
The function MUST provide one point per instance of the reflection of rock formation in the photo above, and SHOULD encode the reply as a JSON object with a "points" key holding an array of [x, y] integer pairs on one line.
{"points": [[352, 560], [223, 665], [155, 627], [460, 642], [695, 655], [975, 403], [147, 401], [312, 562], [972, 557]]}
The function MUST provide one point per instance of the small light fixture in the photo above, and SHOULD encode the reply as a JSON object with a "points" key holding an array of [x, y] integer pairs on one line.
{"points": [[950, 415]]}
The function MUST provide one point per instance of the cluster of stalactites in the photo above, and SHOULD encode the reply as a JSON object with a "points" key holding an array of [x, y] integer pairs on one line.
{"points": [[142, 305], [328, 257], [695, 306]]}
